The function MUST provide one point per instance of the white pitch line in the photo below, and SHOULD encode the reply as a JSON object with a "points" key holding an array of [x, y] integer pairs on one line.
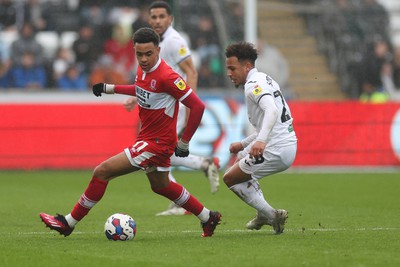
{"points": [[229, 230]]}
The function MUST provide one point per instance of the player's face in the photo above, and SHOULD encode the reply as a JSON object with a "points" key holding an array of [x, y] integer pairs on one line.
{"points": [[236, 71], [147, 55], [159, 20]]}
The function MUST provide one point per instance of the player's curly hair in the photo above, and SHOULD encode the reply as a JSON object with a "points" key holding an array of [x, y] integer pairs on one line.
{"points": [[146, 35], [243, 51]]}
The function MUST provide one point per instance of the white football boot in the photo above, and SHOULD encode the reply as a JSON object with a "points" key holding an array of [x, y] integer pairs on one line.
{"points": [[258, 222], [212, 174], [278, 223]]}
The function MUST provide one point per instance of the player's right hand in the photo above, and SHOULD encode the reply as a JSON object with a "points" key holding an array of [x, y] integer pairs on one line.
{"points": [[99, 88]]}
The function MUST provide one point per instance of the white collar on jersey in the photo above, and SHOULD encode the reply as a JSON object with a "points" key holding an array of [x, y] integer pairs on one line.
{"points": [[166, 33], [155, 66], [251, 72]]}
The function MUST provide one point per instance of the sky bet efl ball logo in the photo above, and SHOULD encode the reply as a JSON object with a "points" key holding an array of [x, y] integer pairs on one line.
{"points": [[180, 84]]}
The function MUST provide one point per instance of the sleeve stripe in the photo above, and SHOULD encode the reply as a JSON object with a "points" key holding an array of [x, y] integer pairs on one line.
{"points": [[183, 59], [186, 95], [262, 96]]}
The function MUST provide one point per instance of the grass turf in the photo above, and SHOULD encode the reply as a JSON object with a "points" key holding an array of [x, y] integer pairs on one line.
{"points": [[334, 220]]}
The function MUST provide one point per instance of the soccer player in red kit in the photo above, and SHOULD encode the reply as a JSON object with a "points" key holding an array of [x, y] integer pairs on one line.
{"points": [[159, 90]]}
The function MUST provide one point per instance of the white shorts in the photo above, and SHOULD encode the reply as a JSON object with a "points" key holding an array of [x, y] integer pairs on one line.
{"points": [[275, 159]]}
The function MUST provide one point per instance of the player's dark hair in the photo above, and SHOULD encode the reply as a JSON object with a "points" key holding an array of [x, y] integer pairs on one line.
{"points": [[161, 4], [146, 35], [243, 51]]}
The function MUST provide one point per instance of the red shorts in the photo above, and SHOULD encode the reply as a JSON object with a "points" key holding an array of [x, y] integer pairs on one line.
{"points": [[148, 154]]}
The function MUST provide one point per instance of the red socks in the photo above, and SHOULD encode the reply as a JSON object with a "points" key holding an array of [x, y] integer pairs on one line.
{"points": [[93, 193], [97, 187], [178, 194]]}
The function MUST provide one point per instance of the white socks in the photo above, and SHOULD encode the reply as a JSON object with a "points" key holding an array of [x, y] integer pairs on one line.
{"points": [[204, 215], [70, 220], [251, 193]]}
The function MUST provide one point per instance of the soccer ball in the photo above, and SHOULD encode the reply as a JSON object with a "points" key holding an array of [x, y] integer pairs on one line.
{"points": [[120, 226]]}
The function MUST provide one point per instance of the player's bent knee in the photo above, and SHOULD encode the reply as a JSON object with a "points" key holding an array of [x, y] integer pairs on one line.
{"points": [[101, 171]]}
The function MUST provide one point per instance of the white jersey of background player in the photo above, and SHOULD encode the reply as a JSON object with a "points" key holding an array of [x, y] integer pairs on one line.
{"points": [[175, 51], [271, 148]]}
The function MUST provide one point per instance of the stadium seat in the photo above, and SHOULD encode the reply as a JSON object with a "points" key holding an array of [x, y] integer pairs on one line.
{"points": [[8, 37], [49, 40], [67, 38]]}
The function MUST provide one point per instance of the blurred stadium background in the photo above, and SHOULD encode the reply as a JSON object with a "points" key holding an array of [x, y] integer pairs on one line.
{"points": [[337, 61]]}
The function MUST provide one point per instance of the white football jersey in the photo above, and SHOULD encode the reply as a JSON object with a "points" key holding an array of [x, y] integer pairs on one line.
{"points": [[174, 49], [260, 85]]}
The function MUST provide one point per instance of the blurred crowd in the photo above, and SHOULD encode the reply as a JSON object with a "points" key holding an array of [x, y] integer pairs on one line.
{"points": [[355, 36], [73, 44]]}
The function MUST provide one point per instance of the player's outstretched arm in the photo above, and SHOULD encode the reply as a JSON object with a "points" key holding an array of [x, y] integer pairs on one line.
{"points": [[100, 88]]}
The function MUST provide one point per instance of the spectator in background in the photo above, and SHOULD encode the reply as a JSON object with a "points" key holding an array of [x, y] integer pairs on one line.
{"points": [[376, 63], [94, 13], [375, 19], [104, 71], [34, 14], [87, 48], [237, 31], [341, 23], [26, 43], [396, 67], [121, 51], [207, 47], [64, 58], [143, 18], [73, 80], [28, 74], [205, 39], [5, 64], [8, 15]]}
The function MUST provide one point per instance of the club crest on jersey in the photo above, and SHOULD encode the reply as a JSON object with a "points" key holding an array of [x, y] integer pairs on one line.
{"points": [[257, 90], [182, 51], [180, 84], [153, 84]]}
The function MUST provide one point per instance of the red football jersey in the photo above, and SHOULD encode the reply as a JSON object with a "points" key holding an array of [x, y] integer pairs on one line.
{"points": [[158, 93]]}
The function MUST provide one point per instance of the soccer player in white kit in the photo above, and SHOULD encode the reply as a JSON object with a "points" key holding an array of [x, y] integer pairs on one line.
{"points": [[271, 148], [176, 52]]}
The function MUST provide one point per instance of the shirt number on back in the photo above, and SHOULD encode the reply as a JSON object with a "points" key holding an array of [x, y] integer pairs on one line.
{"points": [[284, 116]]}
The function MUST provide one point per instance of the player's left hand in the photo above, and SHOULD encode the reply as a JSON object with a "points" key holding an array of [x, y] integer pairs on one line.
{"points": [[182, 149], [99, 88]]}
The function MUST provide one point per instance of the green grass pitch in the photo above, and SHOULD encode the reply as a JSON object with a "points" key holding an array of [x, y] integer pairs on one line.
{"points": [[341, 219]]}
